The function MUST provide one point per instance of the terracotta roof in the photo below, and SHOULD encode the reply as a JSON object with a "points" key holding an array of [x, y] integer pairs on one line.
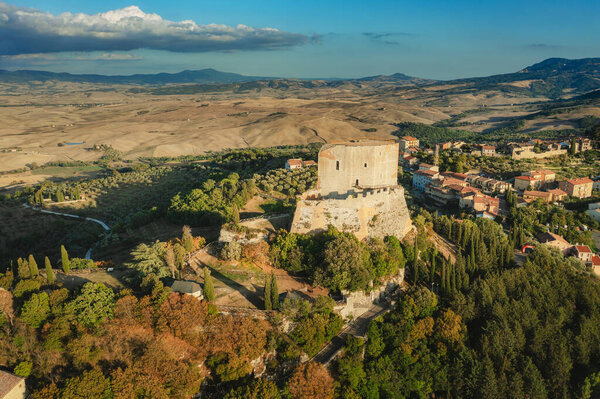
{"points": [[450, 181], [525, 178], [548, 236], [8, 382], [427, 172], [456, 175], [309, 163], [534, 193], [557, 191], [294, 162], [409, 138], [596, 260], [485, 199], [583, 248], [580, 180], [488, 147]]}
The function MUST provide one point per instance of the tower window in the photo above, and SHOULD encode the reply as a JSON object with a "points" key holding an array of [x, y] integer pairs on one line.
{"points": [[337, 165], [365, 164], [356, 182]]}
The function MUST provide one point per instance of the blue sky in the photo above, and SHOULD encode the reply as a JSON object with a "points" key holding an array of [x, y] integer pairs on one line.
{"points": [[431, 39]]}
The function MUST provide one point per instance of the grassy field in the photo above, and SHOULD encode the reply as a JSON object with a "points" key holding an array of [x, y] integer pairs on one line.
{"points": [[66, 171]]}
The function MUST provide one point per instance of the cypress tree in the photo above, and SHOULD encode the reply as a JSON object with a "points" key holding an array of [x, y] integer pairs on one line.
{"points": [[33, 267], [236, 215], [454, 288], [449, 278], [60, 196], [443, 279], [521, 237], [66, 263], [188, 241], [209, 289], [274, 292], [267, 293], [416, 273], [49, 271], [432, 269]]}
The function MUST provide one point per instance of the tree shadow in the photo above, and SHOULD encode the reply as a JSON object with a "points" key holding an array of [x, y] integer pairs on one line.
{"points": [[252, 297]]}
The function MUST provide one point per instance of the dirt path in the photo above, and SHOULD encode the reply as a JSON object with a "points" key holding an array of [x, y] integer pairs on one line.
{"points": [[445, 247]]}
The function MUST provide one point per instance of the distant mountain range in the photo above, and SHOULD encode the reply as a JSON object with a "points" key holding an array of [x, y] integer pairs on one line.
{"points": [[550, 78], [204, 76]]}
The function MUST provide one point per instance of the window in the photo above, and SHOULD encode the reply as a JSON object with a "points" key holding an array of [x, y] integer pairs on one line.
{"points": [[365, 164], [337, 165], [357, 182]]}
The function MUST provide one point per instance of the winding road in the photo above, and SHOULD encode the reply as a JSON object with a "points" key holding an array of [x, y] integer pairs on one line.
{"points": [[357, 328], [88, 254]]}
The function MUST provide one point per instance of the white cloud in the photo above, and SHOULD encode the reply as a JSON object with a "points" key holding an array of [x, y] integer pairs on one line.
{"points": [[26, 31]]}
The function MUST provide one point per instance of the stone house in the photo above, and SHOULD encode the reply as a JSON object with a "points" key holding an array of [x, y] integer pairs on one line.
{"points": [[188, 287], [12, 386], [554, 240]]}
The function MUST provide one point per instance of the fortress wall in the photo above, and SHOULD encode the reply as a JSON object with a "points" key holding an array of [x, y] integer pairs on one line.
{"points": [[368, 213], [530, 154], [373, 164]]}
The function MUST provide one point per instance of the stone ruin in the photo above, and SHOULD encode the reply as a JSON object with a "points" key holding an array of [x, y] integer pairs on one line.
{"points": [[357, 192]]}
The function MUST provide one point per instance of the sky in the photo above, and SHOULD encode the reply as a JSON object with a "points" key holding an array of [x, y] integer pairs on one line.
{"points": [[436, 39]]}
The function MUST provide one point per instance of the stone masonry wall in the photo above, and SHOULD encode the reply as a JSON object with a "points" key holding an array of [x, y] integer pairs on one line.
{"points": [[366, 213]]}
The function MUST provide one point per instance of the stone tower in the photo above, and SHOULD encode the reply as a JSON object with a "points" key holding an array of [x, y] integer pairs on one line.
{"points": [[357, 192]]}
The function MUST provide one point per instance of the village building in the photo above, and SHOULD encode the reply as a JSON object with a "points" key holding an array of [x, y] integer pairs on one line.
{"points": [[488, 184], [421, 178], [546, 176], [580, 187], [583, 253], [407, 142], [484, 150], [558, 195], [532, 195], [583, 144], [12, 386], [534, 180], [480, 202], [554, 240], [523, 183], [297, 163], [188, 287]]}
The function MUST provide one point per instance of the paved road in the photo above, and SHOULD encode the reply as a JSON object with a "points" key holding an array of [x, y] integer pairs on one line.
{"points": [[357, 327], [88, 254]]}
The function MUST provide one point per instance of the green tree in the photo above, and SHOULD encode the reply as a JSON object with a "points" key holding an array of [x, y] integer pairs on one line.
{"points": [[23, 369], [36, 309], [60, 196], [91, 384], [94, 304], [23, 269], [343, 264], [274, 292], [186, 238], [33, 267], [150, 259], [66, 263], [267, 293], [209, 289], [49, 271]]}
